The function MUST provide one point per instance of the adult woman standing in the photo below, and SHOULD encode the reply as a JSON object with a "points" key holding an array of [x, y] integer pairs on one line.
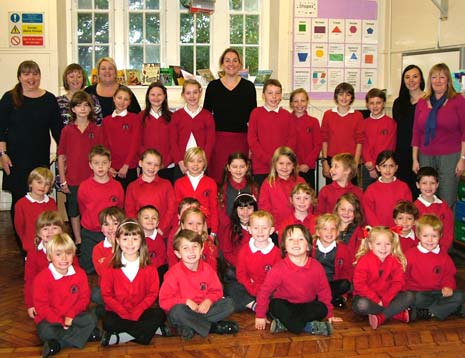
{"points": [[74, 79], [230, 99], [439, 132], [28, 114], [107, 85], [403, 112]]}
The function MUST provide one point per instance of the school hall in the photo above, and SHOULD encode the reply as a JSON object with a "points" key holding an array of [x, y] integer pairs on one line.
{"points": [[422, 31]]}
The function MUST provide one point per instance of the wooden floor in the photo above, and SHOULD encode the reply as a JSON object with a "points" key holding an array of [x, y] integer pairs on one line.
{"points": [[351, 338]]}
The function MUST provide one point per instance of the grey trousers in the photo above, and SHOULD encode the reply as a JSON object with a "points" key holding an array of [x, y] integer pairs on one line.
{"points": [[441, 307], [364, 306]]}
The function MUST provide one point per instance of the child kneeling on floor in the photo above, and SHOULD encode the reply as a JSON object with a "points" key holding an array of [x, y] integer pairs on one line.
{"points": [[61, 295], [191, 292], [301, 294]]}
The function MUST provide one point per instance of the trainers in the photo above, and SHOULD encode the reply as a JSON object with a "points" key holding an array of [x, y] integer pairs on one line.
{"points": [[50, 348], [319, 328], [339, 302], [107, 337], [224, 327], [420, 314], [277, 326], [376, 320], [403, 316], [164, 330], [95, 336]]}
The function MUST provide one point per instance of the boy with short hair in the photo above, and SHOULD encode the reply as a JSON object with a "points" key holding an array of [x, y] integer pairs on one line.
{"points": [[343, 169], [270, 127], [191, 293], [149, 218], [431, 274], [380, 134], [405, 213], [61, 295], [429, 203], [95, 194]]}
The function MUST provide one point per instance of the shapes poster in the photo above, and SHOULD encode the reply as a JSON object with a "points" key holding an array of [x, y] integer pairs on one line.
{"points": [[335, 41]]}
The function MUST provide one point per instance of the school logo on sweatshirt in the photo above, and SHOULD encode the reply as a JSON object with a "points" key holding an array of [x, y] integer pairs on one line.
{"points": [[74, 289], [437, 270], [91, 135], [203, 286], [340, 262], [113, 199], [267, 268]]}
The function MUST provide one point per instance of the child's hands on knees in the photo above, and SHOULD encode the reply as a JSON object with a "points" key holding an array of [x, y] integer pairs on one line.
{"points": [[260, 323], [447, 291], [192, 305], [204, 306], [31, 312], [68, 322]]}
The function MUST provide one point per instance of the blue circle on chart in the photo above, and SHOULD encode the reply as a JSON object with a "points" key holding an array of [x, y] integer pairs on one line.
{"points": [[14, 17]]}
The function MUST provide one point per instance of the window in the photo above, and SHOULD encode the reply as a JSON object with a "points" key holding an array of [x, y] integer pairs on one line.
{"points": [[93, 31], [245, 30]]}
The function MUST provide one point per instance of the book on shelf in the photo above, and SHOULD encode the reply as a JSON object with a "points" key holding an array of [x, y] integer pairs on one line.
{"points": [[150, 73], [167, 76], [93, 76], [206, 75], [132, 77], [177, 75], [121, 77], [262, 77], [187, 75]]}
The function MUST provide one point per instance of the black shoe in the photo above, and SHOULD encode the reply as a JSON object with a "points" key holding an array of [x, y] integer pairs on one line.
{"points": [[95, 336], [106, 337], [419, 314], [164, 330], [185, 332], [339, 302], [224, 327], [50, 348]]}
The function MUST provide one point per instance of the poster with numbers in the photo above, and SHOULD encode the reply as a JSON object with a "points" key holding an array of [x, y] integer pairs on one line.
{"points": [[335, 41]]}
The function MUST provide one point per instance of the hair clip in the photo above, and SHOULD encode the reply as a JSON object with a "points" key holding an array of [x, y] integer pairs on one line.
{"points": [[396, 229], [245, 194], [365, 231]]}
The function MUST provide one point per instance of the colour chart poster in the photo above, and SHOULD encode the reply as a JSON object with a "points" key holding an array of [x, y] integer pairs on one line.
{"points": [[335, 41]]}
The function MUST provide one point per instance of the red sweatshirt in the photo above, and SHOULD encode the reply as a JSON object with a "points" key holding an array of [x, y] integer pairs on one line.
{"points": [[122, 136], [275, 198], [101, 257], [54, 299], [206, 193], [380, 199], [380, 134], [158, 193], [407, 242], [27, 211], [309, 139], [76, 145], [309, 222], [330, 194], [202, 126], [429, 271], [93, 197], [129, 299], [376, 280], [181, 284], [157, 249], [295, 284], [269, 130], [343, 268], [443, 212], [253, 265], [342, 133], [157, 134], [230, 250]]}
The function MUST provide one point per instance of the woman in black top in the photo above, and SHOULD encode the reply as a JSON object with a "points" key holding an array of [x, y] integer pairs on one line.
{"points": [[230, 99], [403, 112]]}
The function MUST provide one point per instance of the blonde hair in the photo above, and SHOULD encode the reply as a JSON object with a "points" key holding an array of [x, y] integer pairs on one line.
{"points": [[282, 151], [130, 226], [348, 162], [195, 211], [372, 235], [106, 59], [60, 242], [47, 218], [324, 219], [306, 189], [261, 214], [40, 173], [193, 152], [441, 67], [430, 220], [297, 91], [190, 81]]}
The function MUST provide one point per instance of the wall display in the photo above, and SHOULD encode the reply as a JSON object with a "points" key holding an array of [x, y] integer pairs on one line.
{"points": [[335, 41]]}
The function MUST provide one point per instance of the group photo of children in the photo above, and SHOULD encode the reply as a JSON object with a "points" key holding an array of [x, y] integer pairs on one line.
{"points": [[178, 219]]}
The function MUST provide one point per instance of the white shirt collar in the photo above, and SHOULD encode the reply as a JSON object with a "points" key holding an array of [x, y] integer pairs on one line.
{"points": [[154, 235], [107, 243], [410, 235], [265, 250], [424, 251], [323, 249], [427, 203], [271, 110], [41, 247], [57, 275], [130, 268], [194, 180], [194, 113], [121, 114], [377, 117], [245, 227], [351, 110], [32, 200], [380, 179], [154, 114]]}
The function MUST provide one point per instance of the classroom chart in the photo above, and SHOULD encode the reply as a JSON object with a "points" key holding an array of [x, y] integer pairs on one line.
{"points": [[335, 41]]}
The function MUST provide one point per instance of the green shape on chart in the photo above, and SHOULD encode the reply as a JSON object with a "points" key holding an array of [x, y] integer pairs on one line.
{"points": [[336, 57]]}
